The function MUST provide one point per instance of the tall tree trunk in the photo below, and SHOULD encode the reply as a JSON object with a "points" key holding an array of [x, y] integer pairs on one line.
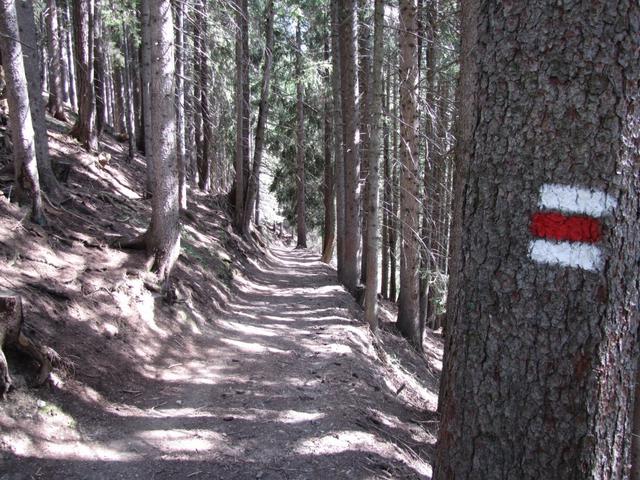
{"points": [[28, 37], [364, 95], [543, 348], [246, 99], [27, 183], [56, 93], [163, 236], [85, 128], [408, 306], [129, 103], [328, 188], [149, 137], [253, 188], [337, 139], [70, 54], [118, 113], [394, 224], [386, 199], [348, 78], [465, 128], [98, 62], [373, 178], [430, 204], [204, 160], [180, 104], [239, 101], [301, 226]]}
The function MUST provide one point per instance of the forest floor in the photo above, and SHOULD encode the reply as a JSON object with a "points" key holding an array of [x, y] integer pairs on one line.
{"points": [[263, 368]]}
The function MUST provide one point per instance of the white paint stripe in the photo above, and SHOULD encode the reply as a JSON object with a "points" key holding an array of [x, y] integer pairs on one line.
{"points": [[577, 255], [569, 199]]}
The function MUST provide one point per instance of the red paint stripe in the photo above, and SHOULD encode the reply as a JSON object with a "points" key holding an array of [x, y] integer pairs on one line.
{"points": [[575, 228]]}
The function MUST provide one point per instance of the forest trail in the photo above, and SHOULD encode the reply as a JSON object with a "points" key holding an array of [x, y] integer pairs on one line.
{"points": [[285, 385]]}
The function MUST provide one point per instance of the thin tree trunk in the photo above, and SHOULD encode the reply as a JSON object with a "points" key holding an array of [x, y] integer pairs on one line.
{"points": [[348, 78], [364, 95], [149, 137], [386, 199], [337, 139], [328, 190], [394, 223], [70, 54], [180, 107], [204, 160], [373, 178], [408, 306], [56, 93], [253, 189], [301, 226], [98, 61], [239, 100], [27, 183], [129, 105]]}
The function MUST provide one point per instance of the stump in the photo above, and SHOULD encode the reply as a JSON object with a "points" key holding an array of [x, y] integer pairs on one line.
{"points": [[11, 335]]}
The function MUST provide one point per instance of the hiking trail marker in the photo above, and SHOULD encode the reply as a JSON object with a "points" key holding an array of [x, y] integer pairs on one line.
{"points": [[567, 227]]}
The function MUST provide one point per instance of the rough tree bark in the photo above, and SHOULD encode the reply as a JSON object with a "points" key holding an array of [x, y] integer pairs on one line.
{"points": [[408, 304], [145, 72], [163, 236], [386, 196], [99, 68], [29, 40], [85, 128], [338, 152], [180, 103], [364, 96], [543, 348], [301, 226], [348, 78], [56, 91], [373, 178], [204, 160], [27, 183], [239, 104], [253, 188], [328, 187]]}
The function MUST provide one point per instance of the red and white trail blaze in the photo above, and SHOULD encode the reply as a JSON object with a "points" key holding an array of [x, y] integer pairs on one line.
{"points": [[568, 226]]}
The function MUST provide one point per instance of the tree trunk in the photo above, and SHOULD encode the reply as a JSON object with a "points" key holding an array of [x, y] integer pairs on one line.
{"points": [[239, 100], [253, 188], [337, 139], [348, 74], [364, 94], [395, 199], [465, 127], [163, 236], [146, 59], [70, 55], [204, 160], [98, 62], [328, 190], [56, 93], [27, 183], [373, 187], [180, 107], [301, 226], [543, 347], [408, 306], [28, 37], [386, 198], [85, 128], [129, 104]]}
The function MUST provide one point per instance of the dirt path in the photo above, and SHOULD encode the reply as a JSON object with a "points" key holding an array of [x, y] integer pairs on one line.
{"points": [[287, 385]]}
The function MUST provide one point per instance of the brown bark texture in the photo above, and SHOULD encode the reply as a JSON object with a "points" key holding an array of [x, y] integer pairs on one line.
{"points": [[348, 79], [85, 128], [301, 225], [56, 92], [328, 187], [27, 183], [163, 236], [542, 356], [408, 305]]}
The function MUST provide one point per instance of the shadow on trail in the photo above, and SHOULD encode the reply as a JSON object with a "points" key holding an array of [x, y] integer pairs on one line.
{"points": [[283, 384]]}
